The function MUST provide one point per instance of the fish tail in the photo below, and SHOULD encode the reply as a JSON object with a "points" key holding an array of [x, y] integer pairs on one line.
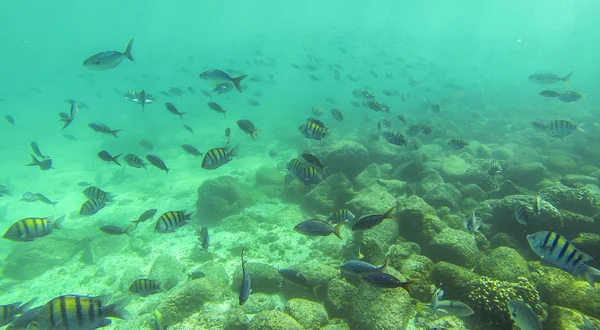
{"points": [[117, 309], [181, 115], [407, 285], [126, 231], [114, 133], [24, 307], [253, 134], [382, 268], [590, 273], [187, 216], [313, 289], [57, 224], [66, 122], [566, 79], [390, 214], [336, 229], [128, 50], [236, 82], [115, 159], [233, 152], [135, 223], [34, 161]]}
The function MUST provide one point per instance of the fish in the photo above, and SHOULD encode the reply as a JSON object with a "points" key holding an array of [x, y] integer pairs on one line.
{"points": [[373, 104], [217, 108], [29, 197], [157, 319], [74, 312], [395, 138], [555, 249], [10, 119], [317, 110], [317, 227], [446, 307], [341, 215], [549, 93], [401, 118], [312, 160], [115, 230], [539, 126], [314, 129], [92, 206], [146, 145], [521, 214], [4, 191], [273, 153], [337, 114], [539, 205], [105, 156], [458, 143], [44, 165], [144, 287], [549, 78], [220, 89], [73, 114], [358, 268], [142, 98], [36, 150], [171, 220], [92, 192], [219, 77], [157, 162], [84, 184], [135, 161], [384, 280], [297, 278], [307, 174], [108, 60], [203, 237], [191, 90], [40, 197], [472, 224], [196, 274], [435, 108], [384, 122], [172, 109], [425, 129], [191, 150], [245, 287], [248, 127], [370, 221], [188, 128], [524, 317], [227, 136], [23, 320], [147, 215], [176, 91], [101, 128], [8, 313], [570, 96], [28, 229], [217, 157]]}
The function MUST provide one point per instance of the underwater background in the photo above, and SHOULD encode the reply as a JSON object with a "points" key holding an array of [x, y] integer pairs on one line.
{"points": [[476, 120]]}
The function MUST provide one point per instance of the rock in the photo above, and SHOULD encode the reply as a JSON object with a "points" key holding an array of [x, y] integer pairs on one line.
{"points": [[417, 267], [212, 316], [576, 223], [505, 264], [506, 188], [167, 270], [28, 260], [410, 171], [443, 195], [221, 197], [588, 242], [328, 195], [372, 200], [454, 169], [368, 176], [455, 246], [473, 191], [339, 298], [504, 239], [310, 315], [105, 245], [558, 162], [503, 216], [239, 223], [393, 187], [336, 324], [376, 241], [273, 320], [344, 156], [527, 174], [268, 175], [574, 294], [379, 309], [265, 278], [431, 179], [577, 200], [452, 278], [260, 302], [561, 318], [418, 220]]}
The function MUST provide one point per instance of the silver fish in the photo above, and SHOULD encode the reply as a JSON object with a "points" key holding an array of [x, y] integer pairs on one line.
{"points": [[473, 224], [108, 60], [219, 77], [523, 315], [549, 78]]}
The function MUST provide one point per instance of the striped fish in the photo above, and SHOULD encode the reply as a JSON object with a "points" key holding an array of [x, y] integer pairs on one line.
{"points": [[341, 215], [557, 250], [314, 129], [458, 143], [394, 137], [307, 174], [135, 161], [337, 114], [73, 312], [9, 312], [217, 157], [171, 220], [92, 206], [96, 193], [561, 128], [521, 214], [28, 229], [144, 287]]}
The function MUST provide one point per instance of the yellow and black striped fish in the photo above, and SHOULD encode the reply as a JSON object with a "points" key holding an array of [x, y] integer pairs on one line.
{"points": [[73, 312], [394, 137], [171, 220], [144, 287], [307, 174], [341, 215], [337, 114], [570, 96], [561, 128], [92, 206], [458, 143], [96, 193], [314, 129], [28, 229], [135, 161], [9, 312], [217, 157]]}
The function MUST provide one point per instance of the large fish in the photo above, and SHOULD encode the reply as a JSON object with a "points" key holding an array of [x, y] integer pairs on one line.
{"points": [[108, 60], [219, 77], [217, 157], [28, 229], [549, 78]]}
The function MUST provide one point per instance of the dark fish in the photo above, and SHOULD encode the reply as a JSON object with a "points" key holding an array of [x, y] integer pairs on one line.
{"points": [[549, 78], [401, 118], [373, 105], [101, 128], [97, 193], [157, 162], [307, 174], [247, 127], [221, 88], [561, 128], [219, 77], [73, 114], [84, 184], [10, 119], [29, 197], [44, 199], [4, 191], [92, 206], [105, 156], [141, 99], [146, 145], [294, 277], [341, 215], [171, 220], [549, 93], [134, 161], [191, 150], [458, 143], [253, 102], [217, 157], [188, 128], [207, 94], [312, 160], [147, 215], [44, 165], [227, 136], [36, 150], [425, 129], [357, 268], [23, 320], [144, 287], [384, 280], [337, 114], [203, 237], [473, 224], [245, 287], [570, 96], [217, 108], [316, 227], [114, 230], [394, 137], [524, 317], [108, 60], [539, 126], [273, 153], [176, 91], [435, 108], [28, 229], [191, 89], [521, 214], [196, 275], [8, 313], [384, 122], [75, 312], [413, 130], [172, 109], [370, 221]]}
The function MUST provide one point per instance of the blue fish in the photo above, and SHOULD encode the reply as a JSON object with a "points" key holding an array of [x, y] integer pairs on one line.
{"points": [[558, 251], [108, 60], [219, 77]]}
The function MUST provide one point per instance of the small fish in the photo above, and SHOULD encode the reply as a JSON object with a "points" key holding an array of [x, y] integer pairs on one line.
{"points": [[341, 215], [370, 221], [101, 128], [36, 150], [146, 145], [28, 229], [337, 114], [203, 237], [227, 136], [549, 93], [248, 127], [312, 160], [144, 287], [44, 165], [559, 251], [84, 184], [134, 161], [561, 128], [245, 287], [172, 109], [188, 128], [219, 77], [191, 150], [147, 215], [384, 122], [314, 129], [384, 280], [524, 317], [29, 197], [176, 91], [191, 89], [92, 192], [539, 205], [10, 119], [373, 104], [358, 268], [217, 157], [307, 174], [317, 110], [217, 108], [22, 321], [425, 129], [157, 319], [108, 60], [453, 308], [401, 118], [67, 120], [297, 278], [458, 143], [570, 96], [171, 220], [157, 162], [549, 78], [539, 126], [220, 89], [8, 313], [142, 99], [472, 224], [115, 230], [92, 206], [521, 214], [105, 156], [395, 138], [316, 227], [40, 197], [4, 191], [196, 275], [435, 108], [273, 153]]}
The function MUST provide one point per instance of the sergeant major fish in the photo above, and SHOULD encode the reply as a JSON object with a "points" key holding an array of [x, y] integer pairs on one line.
{"points": [[171, 220], [217, 157], [307, 174], [472, 224], [203, 237], [135, 161], [341, 215], [28, 229], [144, 287], [8, 313], [108, 60], [92, 206]]}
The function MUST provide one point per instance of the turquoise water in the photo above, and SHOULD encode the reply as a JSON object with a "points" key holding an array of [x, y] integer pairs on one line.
{"points": [[472, 58]]}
